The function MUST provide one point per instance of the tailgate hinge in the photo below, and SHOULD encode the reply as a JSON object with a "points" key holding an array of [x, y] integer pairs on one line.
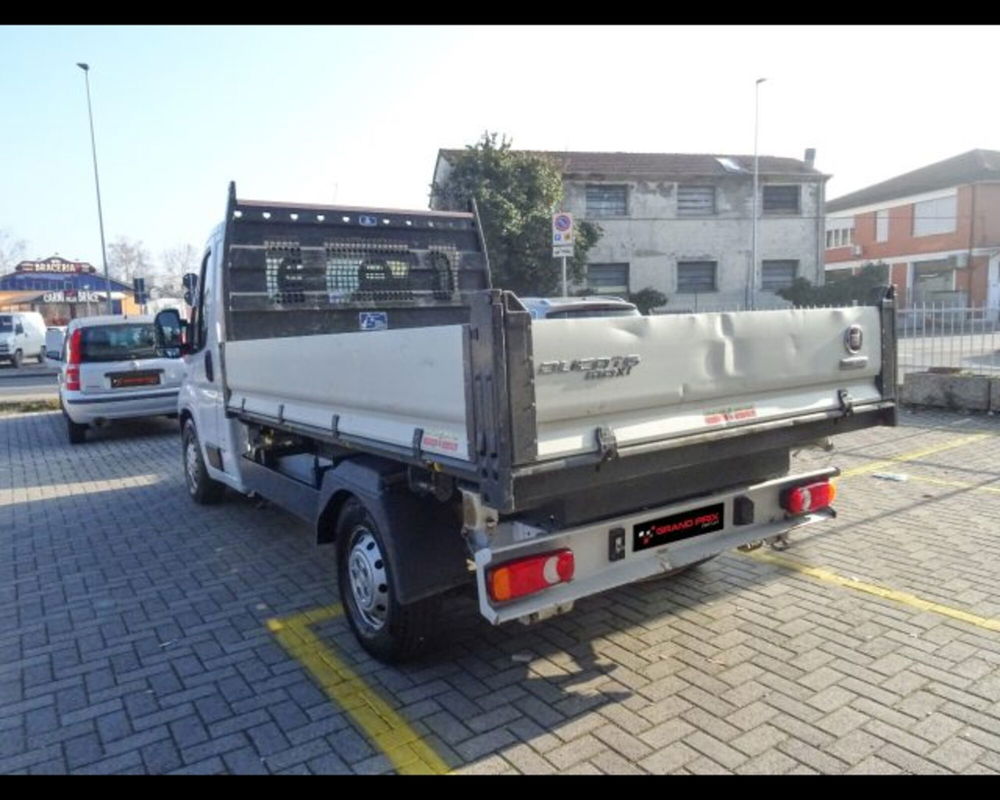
{"points": [[606, 443], [846, 402]]}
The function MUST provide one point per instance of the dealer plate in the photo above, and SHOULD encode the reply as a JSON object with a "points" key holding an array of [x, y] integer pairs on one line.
{"points": [[120, 380], [676, 527]]}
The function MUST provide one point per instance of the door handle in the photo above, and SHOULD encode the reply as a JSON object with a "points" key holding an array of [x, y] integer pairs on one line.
{"points": [[209, 372]]}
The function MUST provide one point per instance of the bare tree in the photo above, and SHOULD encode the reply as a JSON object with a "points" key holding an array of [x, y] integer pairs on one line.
{"points": [[128, 260], [175, 263], [11, 251]]}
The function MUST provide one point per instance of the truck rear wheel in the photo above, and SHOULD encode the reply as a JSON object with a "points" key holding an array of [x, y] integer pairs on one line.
{"points": [[201, 487], [388, 630]]}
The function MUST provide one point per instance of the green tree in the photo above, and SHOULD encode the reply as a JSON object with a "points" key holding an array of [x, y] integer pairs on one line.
{"points": [[846, 291], [647, 299], [516, 192]]}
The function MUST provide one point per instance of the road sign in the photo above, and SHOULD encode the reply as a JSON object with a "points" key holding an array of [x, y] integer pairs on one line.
{"points": [[562, 228], [562, 235]]}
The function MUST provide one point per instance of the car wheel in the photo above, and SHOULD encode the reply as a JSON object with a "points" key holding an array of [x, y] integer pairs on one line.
{"points": [[203, 489], [41, 356], [17, 359], [77, 432], [388, 630]]}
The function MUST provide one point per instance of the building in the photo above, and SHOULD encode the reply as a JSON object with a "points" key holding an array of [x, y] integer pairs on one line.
{"points": [[681, 223], [937, 229], [62, 290]]}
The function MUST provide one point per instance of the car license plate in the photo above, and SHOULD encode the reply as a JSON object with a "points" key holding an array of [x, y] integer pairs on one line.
{"points": [[676, 527], [121, 380]]}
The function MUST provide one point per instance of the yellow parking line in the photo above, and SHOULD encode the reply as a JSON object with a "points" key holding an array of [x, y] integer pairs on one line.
{"points": [[387, 729], [913, 456], [879, 591]]}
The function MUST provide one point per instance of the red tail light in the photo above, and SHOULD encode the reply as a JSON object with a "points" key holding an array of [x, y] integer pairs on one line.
{"points": [[74, 353], [529, 575], [812, 497]]}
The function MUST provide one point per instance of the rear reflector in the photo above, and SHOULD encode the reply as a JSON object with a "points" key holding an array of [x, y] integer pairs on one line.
{"points": [[812, 497], [529, 575]]}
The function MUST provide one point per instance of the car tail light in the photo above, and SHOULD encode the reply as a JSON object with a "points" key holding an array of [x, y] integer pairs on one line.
{"points": [[73, 358], [529, 575], [812, 497]]}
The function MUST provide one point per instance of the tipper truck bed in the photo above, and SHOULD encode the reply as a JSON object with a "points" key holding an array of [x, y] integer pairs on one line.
{"points": [[355, 367]]}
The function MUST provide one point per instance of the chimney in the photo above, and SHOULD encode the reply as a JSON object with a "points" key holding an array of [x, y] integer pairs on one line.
{"points": [[810, 157]]}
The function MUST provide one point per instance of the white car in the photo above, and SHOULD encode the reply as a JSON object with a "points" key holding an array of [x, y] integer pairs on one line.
{"points": [[576, 307], [112, 369], [22, 335]]}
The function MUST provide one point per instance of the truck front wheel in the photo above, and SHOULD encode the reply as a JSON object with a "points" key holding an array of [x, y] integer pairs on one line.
{"points": [[201, 487], [388, 630]]}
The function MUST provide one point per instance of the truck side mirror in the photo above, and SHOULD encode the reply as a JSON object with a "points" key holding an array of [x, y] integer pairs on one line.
{"points": [[171, 333]]}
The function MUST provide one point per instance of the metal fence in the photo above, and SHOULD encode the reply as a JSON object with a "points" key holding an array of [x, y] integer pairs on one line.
{"points": [[941, 336]]}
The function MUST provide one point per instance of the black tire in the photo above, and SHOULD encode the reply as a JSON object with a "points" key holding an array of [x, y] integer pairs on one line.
{"points": [[18, 359], [203, 489], [77, 432], [388, 630], [41, 356]]}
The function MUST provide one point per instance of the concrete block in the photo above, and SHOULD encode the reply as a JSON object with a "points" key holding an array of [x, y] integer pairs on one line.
{"points": [[994, 394], [970, 392]]}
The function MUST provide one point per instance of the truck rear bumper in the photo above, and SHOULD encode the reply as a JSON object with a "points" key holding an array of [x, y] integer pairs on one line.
{"points": [[591, 545]]}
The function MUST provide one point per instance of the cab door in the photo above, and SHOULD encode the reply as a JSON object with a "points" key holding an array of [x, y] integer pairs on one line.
{"points": [[204, 378]]}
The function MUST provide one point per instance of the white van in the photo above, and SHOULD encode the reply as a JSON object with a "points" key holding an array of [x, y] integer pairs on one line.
{"points": [[22, 335], [54, 339]]}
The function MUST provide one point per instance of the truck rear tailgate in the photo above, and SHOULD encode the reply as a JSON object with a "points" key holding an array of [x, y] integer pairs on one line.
{"points": [[650, 378]]}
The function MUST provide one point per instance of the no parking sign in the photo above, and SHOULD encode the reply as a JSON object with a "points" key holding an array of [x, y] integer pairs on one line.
{"points": [[562, 234]]}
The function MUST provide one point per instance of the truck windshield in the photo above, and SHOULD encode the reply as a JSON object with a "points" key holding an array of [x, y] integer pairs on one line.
{"points": [[118, 342], [6, 324]]}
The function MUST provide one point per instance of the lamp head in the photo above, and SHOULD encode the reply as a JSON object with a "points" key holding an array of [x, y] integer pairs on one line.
{"points": [[84, 67]]}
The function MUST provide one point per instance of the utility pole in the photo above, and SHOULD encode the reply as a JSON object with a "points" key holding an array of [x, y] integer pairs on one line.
{"points": [[97, 183]]}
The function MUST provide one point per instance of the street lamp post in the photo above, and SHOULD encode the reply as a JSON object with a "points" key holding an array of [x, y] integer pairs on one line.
{"points": [[752, 281], [97, 183]]}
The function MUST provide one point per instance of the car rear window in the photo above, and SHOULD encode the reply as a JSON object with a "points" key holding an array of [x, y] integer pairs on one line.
{"points": [[118, 342], [593, 312]]}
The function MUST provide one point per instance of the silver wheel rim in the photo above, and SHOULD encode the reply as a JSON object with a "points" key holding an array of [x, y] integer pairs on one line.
{"points": [[368, 579], [191, 459]]}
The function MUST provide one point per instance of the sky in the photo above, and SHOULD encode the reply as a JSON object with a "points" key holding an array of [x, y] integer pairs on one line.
{"points": [[355, 115]]}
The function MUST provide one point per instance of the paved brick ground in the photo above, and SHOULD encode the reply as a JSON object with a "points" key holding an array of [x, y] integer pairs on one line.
{"points": [[133, 638]]}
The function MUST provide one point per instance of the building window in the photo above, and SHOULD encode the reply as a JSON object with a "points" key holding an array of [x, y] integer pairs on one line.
{"points": [[696, 276], [781, 199], [607, 201], [882, 226], [839, 232], [935, 216], [607, 279], [778, 274], [695, 201]]}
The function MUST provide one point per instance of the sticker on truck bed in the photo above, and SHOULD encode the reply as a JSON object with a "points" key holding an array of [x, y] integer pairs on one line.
{"points": [[677, 526], [373, 320], [439, 440], [720, 416]]}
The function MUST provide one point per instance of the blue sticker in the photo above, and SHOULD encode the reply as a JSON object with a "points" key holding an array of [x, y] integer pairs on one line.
{"points": [[373, 320], [367, 219]]}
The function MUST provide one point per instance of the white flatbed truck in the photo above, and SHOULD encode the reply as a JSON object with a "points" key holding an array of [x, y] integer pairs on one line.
{"points": [[355, 367]]}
